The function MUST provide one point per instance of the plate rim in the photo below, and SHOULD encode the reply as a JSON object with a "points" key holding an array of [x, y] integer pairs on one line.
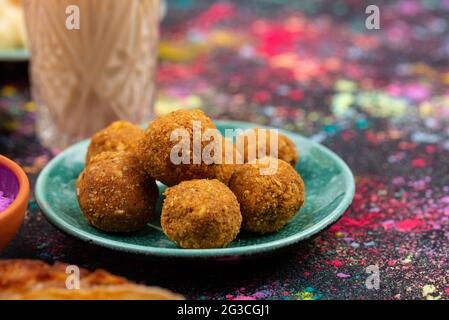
{"points": [[63, 225]]}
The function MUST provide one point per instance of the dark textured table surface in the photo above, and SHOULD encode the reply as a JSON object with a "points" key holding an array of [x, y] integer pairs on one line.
{"points": [[378, 98]]}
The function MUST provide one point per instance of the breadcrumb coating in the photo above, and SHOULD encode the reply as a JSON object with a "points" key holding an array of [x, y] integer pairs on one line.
{"points": [[119, 136], [267, 202], [115, 194], [201, 214]]}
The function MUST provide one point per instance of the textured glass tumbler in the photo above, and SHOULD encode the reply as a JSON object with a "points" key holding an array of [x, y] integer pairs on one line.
{"points": [[92, 62]]}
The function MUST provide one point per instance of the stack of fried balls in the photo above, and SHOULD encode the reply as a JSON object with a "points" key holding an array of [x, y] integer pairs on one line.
{"points": [[205, 205]]}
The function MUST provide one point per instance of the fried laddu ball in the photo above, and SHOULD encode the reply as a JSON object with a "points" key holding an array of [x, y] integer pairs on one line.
{"points": [[267, 202], [201, 214], [119, 136], [156, 146], [286, 148], [115, 194]]}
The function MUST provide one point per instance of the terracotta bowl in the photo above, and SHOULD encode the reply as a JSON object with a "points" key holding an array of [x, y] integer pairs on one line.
{"points": [[13, 182]]}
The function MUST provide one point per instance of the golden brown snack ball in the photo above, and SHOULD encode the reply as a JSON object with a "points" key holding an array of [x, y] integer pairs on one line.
{"points": [[119, 136], [231, 159], [286, 148], [115, 194], [155, 147], [201, 214], [267, 202]]}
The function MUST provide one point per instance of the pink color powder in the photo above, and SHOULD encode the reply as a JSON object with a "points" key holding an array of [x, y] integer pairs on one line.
{"points": [[9, 187], [5, 201]]}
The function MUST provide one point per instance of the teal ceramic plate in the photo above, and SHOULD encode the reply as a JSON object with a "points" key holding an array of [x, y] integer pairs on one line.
{"points": [[14, 55], [329, 191]]}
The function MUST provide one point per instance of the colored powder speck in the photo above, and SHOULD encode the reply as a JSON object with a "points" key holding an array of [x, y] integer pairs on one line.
{"points": [[263, 294], [243, 298], [409, 225], [419, 163], [427, 292], [307, 294], [355, 245], [369, 244], [304, 296], [388, 224], [335, 263], [343, 275], [407, 260], [5, 201]]}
